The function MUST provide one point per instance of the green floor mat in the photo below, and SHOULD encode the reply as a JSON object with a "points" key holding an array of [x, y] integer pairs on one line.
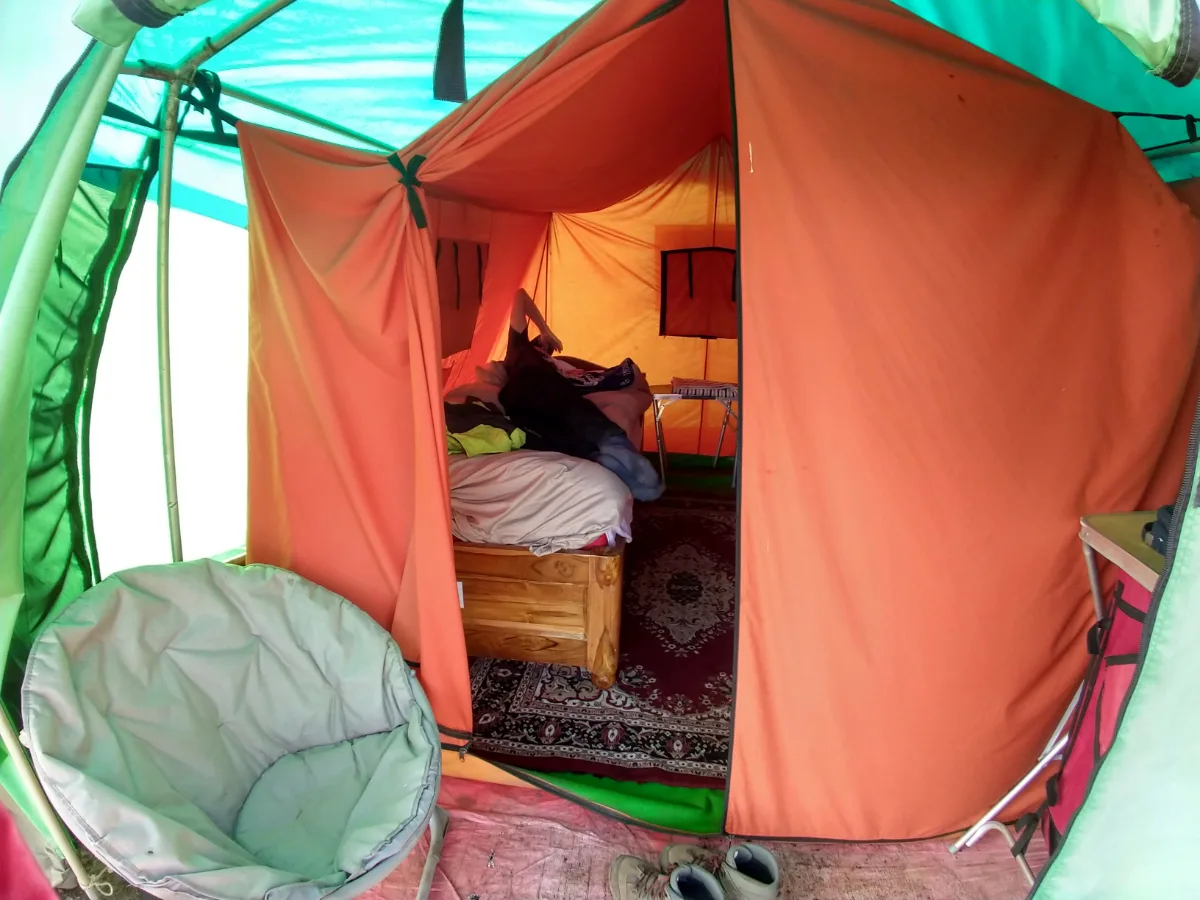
{"points": [[699, 811]]}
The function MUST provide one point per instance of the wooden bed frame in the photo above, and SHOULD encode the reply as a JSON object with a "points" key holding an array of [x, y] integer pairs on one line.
{"points": [[562, 608]]}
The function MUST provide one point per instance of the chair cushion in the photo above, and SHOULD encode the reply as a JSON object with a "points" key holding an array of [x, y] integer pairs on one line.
{"points": [[178, 715]]}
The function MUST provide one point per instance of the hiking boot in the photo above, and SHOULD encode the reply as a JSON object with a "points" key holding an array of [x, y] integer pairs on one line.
{"points": [[747, 871], [630, 878], [676, 855], [750, 872]]}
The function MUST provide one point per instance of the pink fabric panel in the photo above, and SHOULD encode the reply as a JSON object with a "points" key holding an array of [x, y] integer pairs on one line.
{"points": [[20, 876]]}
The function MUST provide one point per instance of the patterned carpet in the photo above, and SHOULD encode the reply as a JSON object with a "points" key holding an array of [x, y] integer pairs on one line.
{"points": [[667, 718]]}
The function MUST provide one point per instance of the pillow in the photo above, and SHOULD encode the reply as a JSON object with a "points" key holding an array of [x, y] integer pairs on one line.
{"points": [[493, 373]]}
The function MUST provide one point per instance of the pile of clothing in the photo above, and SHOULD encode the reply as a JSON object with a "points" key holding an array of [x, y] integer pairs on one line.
{"points": [[477, 428]]}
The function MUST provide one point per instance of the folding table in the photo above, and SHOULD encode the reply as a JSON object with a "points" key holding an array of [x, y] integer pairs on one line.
{"points": [[665, 394]]}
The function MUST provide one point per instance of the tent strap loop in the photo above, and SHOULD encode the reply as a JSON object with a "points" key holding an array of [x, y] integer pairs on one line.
{"points": [[207, 98], [408, 178]]}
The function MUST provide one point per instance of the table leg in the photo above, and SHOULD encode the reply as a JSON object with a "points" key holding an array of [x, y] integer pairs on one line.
{"points": [[1089, 556], [721, 436], [658, 437]]}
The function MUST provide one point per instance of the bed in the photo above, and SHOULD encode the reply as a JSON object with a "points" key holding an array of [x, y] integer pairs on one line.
{"points": [[539, 544]]}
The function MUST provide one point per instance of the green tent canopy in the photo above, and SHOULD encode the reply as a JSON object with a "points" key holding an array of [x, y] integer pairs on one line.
{"points": [[80, 157]]}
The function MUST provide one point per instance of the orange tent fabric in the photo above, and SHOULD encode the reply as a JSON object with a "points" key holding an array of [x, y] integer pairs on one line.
{"points": [[348, 483], [967, 319], [986, 368]]}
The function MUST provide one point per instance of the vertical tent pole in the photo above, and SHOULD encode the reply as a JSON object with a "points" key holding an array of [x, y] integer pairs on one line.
{"points": [[170, 125]]}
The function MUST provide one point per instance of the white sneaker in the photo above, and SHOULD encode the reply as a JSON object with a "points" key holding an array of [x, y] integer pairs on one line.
{"points": [[747, 871], [630, 878]]}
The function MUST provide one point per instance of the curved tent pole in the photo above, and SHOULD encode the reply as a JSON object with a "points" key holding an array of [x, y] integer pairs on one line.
{"points": [[210, 47], [291, 112], [170, 125]]}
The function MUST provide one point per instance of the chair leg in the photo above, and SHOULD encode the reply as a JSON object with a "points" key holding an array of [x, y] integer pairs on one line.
{"points": [[1011, 841], [658, 437], [94, 889], [437, 833], [721, 436]]}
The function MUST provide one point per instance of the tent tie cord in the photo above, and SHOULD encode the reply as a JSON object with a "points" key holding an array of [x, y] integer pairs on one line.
{"points": [[408, 178], [1188, 120]]}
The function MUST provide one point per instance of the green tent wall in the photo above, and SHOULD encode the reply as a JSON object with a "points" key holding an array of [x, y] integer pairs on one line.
{"points": [[82, 165]]}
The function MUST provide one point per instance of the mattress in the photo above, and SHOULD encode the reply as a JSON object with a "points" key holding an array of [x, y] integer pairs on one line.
{"points": [[544, 501]]}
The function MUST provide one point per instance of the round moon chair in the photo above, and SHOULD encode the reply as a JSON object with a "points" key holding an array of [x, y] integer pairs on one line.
{"points": [[212, 731]]}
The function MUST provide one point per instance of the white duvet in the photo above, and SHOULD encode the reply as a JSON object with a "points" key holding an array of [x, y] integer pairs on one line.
{"points": [[544, 501]]}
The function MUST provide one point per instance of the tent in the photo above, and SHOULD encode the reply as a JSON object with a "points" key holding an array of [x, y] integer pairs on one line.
{"points": [[922, 677]]}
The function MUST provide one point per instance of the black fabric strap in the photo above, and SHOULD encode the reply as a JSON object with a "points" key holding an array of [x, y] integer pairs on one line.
{"points": [[1121, 659], [143, 12], [450, 63], [457, 280], [408, 178], [207, 97], [1130, 610], [112, 111], [1095, 636], [1186, 62], [1027, 828]]}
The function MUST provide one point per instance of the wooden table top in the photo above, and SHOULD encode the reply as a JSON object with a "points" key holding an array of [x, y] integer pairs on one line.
{"points": [[1118, 538]]}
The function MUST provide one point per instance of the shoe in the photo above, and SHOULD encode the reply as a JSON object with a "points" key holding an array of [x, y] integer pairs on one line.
{"points": [[747, 872], [750, 872], [630, 878]]}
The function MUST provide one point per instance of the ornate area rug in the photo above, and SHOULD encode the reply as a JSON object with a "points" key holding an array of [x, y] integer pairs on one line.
{"points": [[667, 717]]}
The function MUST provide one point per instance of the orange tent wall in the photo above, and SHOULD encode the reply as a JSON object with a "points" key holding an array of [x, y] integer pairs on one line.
{"points": [[962, 292], [967, 318], [603, 287]]}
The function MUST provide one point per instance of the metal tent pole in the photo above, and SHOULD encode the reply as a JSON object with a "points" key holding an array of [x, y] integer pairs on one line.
{"points": [[293, 113], [170, 125], [215, 44], [143, 70]]}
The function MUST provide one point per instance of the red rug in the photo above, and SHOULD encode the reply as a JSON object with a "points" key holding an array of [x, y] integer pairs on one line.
{"points": [[667, 717]]}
